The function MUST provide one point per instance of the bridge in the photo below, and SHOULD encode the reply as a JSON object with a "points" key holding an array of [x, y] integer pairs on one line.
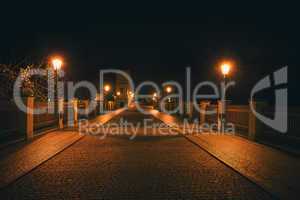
{"points": [[152, 160]]}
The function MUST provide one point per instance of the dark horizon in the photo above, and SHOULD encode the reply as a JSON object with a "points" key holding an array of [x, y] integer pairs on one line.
{"points": [[158, 47]]}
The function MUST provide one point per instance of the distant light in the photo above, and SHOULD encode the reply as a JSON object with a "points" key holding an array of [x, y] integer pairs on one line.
{"points": [[154, 94], [131, 94], [106, 88], [169, 89], [118, 93], [57, 63], [225, 68]]}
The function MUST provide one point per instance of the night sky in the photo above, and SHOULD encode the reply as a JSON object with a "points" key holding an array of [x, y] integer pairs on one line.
{"points": [[157, 42]]}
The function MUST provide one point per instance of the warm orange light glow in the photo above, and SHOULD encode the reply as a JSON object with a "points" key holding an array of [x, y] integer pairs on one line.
{"points": [[169, 89], [106, 88], [57, 63], [225, 68], [155, 94], [118, 93], [131, 94]]}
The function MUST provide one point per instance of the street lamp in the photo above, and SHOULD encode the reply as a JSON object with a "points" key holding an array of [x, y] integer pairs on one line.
{"points": [[105, 95], [154, 96], [107, 88], [118, 93], [225, 69], [131, 94], [57, 63], [169, 89]]}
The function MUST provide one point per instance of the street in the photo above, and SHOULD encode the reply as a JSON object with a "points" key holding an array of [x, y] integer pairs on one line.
{"points": [[146, 167]]}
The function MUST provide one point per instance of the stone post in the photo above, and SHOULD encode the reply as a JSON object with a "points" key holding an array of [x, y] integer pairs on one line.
{"points": [[203, 106], [61, 113], [86, 107], [96, 108], [220, 112], [25, 121], [189, 109], [75, 111], [222, 107], [94, 105], [254, 125]]}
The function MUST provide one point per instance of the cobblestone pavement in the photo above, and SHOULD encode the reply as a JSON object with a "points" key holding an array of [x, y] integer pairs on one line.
{"points": [[276, 171], [162, 167], [17, 160]]}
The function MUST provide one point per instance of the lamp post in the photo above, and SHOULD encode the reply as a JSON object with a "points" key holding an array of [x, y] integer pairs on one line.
{"points": [[225, 69], [169, 90], [154, 95], [154, 98], [130, 97], [106, 88], [57, 63]]}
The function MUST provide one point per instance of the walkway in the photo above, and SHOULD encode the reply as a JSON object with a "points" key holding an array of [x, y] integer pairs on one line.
{"points": [[18, 159], [160, 167], [272, 169]]}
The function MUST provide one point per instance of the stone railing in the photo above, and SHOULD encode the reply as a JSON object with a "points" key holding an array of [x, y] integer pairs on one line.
{"points": [[16, 124], [43, 121], [9, 115], [247, 125]]}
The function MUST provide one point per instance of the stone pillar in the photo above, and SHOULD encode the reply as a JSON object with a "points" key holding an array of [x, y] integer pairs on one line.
{"points": [[94, 106], [203, 106], [86, 107], [189, 109], [254, 125], [222, 106], [220, 114], [75, 111], [25, 121], [110, 105], [61, 113]]}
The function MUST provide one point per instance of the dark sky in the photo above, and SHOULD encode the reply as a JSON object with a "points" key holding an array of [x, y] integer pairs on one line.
{"points": [[157, 42]]}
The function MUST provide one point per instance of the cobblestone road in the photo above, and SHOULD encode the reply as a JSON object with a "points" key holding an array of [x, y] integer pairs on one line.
{"points": [[166, 167]]}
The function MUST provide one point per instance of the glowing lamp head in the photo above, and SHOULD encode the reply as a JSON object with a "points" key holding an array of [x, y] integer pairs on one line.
{"points": [[118, 93], [106, 88], [169, 89], [155, 94], [57, 63], [225, 68]]}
